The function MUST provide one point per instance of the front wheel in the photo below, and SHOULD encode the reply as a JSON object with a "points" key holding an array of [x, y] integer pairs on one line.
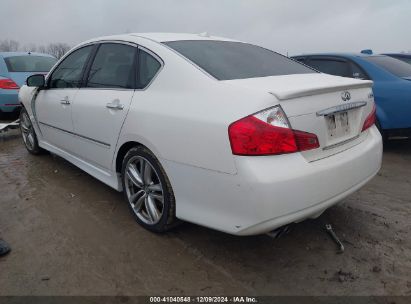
{"points": [[148, 190], [28, 133]]}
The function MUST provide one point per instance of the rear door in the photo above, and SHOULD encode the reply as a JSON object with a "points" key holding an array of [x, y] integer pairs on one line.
{"points": [[102, 104], [53, 105]]}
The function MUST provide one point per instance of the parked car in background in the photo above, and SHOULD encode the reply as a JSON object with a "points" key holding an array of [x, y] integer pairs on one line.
{"points": [[404, 57], [15, 67], [392, 84], [209, 130]]}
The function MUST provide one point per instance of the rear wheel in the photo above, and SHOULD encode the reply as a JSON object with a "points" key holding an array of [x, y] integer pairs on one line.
{"points": [[148, 190], [28, 134]]}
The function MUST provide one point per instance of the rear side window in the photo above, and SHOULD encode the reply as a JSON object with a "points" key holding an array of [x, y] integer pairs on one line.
{"points": [[69, 73], [227, 60], [148, 67], [29, 63], [394, 66], [113, 67], [333, 67]]}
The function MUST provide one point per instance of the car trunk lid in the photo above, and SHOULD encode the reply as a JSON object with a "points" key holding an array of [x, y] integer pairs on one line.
{"points": [[333, 108]]}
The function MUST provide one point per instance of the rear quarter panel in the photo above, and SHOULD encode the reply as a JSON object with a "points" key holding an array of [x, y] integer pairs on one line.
{"points": [[393, 99]]}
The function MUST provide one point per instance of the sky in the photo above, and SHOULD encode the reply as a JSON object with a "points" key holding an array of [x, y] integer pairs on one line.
{"points": [[286, 26]]}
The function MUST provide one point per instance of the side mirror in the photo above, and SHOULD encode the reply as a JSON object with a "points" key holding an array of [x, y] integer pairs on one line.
{"points": [[36, 81]]}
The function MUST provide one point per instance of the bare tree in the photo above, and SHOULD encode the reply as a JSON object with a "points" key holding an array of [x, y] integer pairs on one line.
{"points": [[9, 45], [42, 49], [31, 47], [57, 49]]}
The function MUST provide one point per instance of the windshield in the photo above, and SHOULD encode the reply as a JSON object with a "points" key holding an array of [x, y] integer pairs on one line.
{"points": [[29, 63], [397, 67], [226, 60]]}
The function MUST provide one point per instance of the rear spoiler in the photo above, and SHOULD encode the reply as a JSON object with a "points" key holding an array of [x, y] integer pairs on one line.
{"points": [[290, 94]]}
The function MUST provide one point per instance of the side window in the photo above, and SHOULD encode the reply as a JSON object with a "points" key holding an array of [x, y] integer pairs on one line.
{"points": [[148, 67], [113, 67], [329, 66], [69, 73], [357, 72]]}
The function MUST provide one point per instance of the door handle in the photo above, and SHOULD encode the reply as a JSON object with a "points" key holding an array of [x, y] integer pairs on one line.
{"points": [[115, 106], [65, 101]]}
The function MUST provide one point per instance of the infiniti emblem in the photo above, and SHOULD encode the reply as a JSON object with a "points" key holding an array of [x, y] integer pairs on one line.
{"points": [[346, 96]]}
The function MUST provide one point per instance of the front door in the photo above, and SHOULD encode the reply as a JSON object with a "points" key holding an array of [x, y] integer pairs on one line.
{"points": [[53, 105]]}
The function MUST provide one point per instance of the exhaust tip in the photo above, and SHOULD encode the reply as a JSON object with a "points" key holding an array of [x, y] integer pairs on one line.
{"points": [[280, 232]]}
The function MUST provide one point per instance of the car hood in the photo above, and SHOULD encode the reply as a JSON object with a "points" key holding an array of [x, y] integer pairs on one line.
{"points": [[299, 85]]}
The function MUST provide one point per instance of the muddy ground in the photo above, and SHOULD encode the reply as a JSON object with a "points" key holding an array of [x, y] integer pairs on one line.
{"points": [[72, 235]]}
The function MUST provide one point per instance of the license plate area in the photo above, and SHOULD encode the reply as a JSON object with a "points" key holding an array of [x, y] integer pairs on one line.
{"points": [[338, 125]]}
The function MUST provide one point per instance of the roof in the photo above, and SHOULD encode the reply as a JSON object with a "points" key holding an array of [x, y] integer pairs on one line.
{"points": [[159, 37], [13, 54], [339, 54], [164, 37]]}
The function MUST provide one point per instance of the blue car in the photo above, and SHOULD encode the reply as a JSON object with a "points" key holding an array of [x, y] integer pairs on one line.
{"points": [[392, 84], [15, 67], [404, 57]]}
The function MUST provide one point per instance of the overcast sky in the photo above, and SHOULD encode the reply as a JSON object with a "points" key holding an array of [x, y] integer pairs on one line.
{"points": [[294, 26]]}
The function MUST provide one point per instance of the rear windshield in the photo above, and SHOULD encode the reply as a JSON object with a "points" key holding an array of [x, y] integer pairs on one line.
{"points": [[227, 60], [29, 63], [392, 65]]}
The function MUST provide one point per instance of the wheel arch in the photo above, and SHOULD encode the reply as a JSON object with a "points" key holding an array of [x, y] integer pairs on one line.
{"points": [[126, 145], [122, 151]]}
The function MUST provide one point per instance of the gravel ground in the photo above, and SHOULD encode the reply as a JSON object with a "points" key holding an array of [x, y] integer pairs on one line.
{"points": [[72, 235]]}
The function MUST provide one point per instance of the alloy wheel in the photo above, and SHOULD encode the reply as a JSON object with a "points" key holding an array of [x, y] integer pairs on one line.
{"points": [[27, 131], [144, 190]]}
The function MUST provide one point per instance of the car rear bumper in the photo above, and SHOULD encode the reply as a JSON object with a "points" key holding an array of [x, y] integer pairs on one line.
{"points": [[9, 101], [272, 191]]}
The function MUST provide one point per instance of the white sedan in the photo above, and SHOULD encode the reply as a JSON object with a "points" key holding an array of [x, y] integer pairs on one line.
{"points": [[208, 130]]}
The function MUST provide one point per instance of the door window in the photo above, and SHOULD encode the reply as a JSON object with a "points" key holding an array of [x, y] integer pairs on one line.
{"points": [[70, 71], [147, 69], [113, 67], [329, 66]]}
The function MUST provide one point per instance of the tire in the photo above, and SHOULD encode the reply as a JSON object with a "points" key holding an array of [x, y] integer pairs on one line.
{"points": [[28, 134], [148, 191]]}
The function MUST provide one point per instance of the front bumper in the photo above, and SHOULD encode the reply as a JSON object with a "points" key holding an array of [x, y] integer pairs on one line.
{"points": [[269, 192]]}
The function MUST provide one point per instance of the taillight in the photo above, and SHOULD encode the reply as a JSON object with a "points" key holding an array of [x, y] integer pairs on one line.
{"points": [[268, 133], [370, 120], [8, 84]]}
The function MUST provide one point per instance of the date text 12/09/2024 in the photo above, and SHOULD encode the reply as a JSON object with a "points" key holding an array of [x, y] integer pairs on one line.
{"points": [[203, 299]]}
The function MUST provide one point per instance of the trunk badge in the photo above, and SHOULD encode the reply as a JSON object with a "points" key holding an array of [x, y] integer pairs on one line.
{"points": [[346, 96]]}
